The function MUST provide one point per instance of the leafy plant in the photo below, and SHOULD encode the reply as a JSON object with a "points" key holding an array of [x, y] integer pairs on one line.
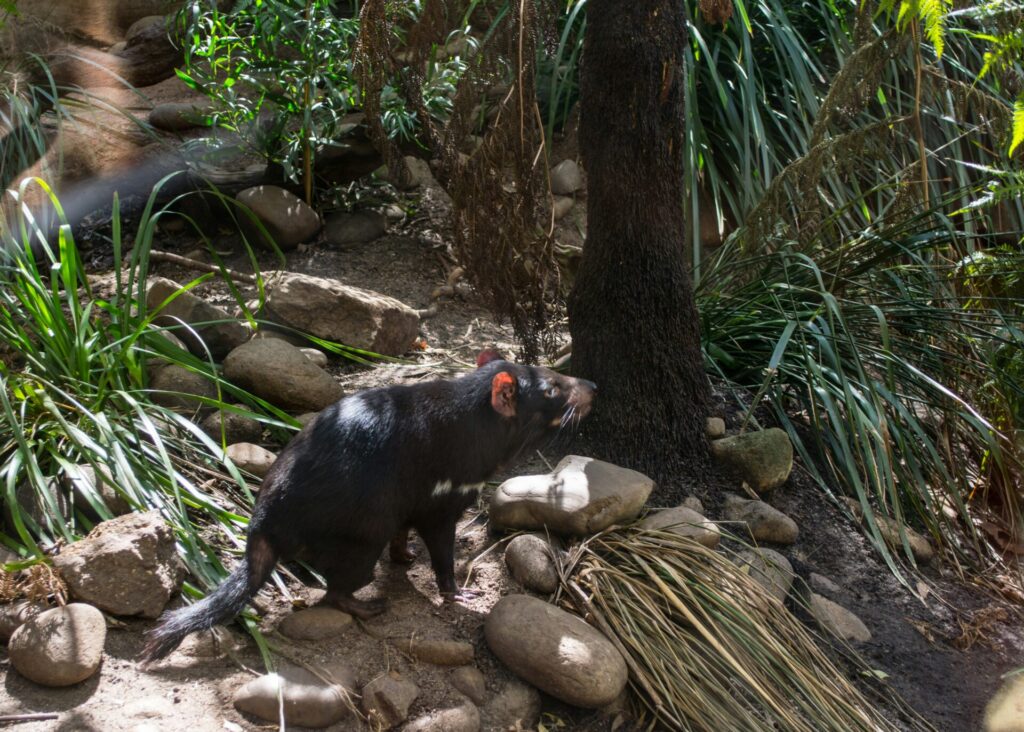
{"points": [[881, 368], [280, 72], [73, 393]]}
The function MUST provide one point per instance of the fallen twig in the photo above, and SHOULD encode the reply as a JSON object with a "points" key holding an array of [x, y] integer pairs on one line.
{"points": [[161, 256], [15, 718]]}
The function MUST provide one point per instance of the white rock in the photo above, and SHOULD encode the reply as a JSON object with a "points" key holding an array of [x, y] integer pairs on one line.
{"points": [[59, 647], [582, 496], [316, 356], [252, 458]]}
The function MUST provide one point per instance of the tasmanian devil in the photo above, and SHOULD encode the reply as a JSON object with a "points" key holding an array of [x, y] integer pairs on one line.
{"points": [[376, 463]]}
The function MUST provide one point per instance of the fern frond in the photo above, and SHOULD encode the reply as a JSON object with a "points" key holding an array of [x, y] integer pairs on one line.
{"points": [[1018, 124]]}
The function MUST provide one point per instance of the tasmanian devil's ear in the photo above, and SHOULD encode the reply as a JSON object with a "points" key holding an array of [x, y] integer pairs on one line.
{"points": [[487, 355], [503, 394]]}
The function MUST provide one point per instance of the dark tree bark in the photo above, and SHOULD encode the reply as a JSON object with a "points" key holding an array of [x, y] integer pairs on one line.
{"points": [[634, 324]]}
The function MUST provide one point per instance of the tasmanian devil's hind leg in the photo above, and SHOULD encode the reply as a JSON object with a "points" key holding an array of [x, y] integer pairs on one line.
{"points": [[350, 567]]}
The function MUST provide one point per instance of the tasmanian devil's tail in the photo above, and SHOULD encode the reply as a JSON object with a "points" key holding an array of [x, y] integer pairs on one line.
{"points": [[217, 607]]}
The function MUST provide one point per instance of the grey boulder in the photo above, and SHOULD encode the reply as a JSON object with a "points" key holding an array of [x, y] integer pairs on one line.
{"points": [[280, 373], [286, 217], [334, 311]]}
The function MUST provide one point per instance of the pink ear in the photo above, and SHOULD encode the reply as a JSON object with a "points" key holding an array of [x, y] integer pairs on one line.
{"points": [[503, 394], [487, 355]]}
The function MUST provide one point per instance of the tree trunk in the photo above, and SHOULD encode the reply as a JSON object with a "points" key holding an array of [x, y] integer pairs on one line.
{"points": [[634, 324]]}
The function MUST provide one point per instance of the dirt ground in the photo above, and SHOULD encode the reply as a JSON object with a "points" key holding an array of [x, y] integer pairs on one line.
{"points": [[913, 630]]}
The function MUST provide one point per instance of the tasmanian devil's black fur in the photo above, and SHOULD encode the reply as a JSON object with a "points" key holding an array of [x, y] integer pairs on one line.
{"points": [[377, 463]]}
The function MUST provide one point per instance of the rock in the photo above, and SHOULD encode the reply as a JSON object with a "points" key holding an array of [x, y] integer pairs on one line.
{"points": [[566, 178], [281, 374], [236, 427], [251, 458], [854, 507], [419, 172], [356, 228], [101, 22], [315, 623], [464, 718], [177, 116], [693, 503], [14, 614], [331, 310], [287, 218], [308, 701], [715, 427], [86, 482], [307, 417], [684, 522], [769, 569], [890, 531], [125, 566], [1005, 711], [822, 584], [176, 387], [61, 646], [529, 560], [386, 700], [149, 52], [837, 620], [516, 706], [764, 522], [471, 682], [763, 459], [555, 651], [213, 331], [437, 652], [316, 356], [562, 206], [32, 502], [582, 496], [142, 25]]}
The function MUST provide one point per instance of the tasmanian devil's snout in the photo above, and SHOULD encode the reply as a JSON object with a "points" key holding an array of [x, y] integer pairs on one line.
{"points": [[377, 463]]}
